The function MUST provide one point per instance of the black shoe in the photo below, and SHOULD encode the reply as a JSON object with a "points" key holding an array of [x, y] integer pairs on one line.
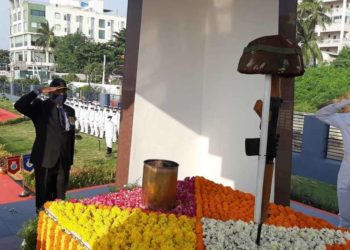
{"points": [[109, 151]]}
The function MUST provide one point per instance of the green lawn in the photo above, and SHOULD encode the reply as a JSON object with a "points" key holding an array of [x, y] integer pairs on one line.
{"points": [[19, 138], [91, 165], [315, 193]]}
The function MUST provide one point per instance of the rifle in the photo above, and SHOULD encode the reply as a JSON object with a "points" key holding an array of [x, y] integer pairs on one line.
{"points": [[253, 148]]}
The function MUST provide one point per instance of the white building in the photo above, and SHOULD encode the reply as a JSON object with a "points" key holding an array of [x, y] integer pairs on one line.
{"points": [[336, 35], [66, 16]]}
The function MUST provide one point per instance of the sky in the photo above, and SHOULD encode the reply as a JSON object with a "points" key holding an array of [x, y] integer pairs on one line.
{"points": [[114, 5]]}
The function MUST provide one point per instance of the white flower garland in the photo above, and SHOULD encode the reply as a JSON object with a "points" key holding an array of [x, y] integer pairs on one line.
{"points": [[242, 235]]}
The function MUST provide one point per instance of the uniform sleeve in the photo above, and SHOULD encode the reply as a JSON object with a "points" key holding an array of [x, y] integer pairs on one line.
{"points": [[27, 104], [329, 115]]}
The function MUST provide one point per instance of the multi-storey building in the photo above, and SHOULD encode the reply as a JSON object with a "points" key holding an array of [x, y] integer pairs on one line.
{"points": [[336, 35], [66, 16]]}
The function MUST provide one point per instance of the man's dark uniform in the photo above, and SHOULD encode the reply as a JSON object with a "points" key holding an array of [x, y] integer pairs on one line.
{"points": [[53, 148]]}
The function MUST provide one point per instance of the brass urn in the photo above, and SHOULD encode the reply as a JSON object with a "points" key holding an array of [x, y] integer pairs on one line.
{"points": [[159, 184]]}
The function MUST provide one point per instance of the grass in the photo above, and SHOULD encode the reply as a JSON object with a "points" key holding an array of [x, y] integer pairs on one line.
{"points": [[91, 165], [315, 193], [19, 138]]}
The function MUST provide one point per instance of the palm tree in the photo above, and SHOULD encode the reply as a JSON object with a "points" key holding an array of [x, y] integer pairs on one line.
{"points": [[119, 38], [309, 14], [46, 38]]}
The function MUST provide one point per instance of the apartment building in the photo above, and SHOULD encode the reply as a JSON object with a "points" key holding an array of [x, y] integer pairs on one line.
{"points": [[66, 16], [336, 35]]}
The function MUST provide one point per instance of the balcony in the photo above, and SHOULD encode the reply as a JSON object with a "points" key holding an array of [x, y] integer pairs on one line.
{"points": [[329, 43]]}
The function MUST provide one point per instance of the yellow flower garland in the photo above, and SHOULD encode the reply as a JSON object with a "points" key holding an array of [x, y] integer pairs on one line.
{"points": [[113, 228]]}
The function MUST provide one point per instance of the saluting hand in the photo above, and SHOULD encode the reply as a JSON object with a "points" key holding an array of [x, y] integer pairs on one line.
{"points": [[46, 90]]}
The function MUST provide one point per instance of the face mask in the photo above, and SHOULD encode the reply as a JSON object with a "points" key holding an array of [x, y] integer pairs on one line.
{"points": [[58, 99]]}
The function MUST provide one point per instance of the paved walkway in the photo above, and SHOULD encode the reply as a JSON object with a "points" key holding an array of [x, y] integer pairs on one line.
{"points": [[13, 215]]}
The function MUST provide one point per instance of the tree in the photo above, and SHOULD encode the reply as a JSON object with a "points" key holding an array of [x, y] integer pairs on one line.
{"points": [[343, 59], [319, 85], [307, 39], [93, 72], [120, 38], [71, 77], [46, 38], [4, 56], [309, 14], [69, 53], [75, 51]]}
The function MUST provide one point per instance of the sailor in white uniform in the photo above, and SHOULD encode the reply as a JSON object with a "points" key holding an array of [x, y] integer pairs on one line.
{"points": [[92, 119], [109, 132], [115, 120], [329, 114], [77, 115], [101, 124], [96, 121]]}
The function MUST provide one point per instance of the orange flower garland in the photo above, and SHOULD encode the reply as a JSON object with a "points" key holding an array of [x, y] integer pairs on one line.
{"points": [[51, 236], [212, 200], [223, 203], [199, 215]]}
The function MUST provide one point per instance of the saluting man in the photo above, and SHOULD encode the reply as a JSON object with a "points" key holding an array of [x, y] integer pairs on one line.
{"points": [[53, 149]]}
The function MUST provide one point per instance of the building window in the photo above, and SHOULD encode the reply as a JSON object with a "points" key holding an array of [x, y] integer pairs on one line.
{"points": [[19, 16], [34, 25], [51, 58], [122, 24], [337, 19], [15, 28], [33, 40], [57, 15], [101, 23], [20, 57], [112, 25], [25, 26], [19, 27], [329, 36], [37, 12], [334, 37], [108, 24], [66, 17], [57, 27], [101, 34], [24, 14], [18, 41], [15, 17], [25, 40]]}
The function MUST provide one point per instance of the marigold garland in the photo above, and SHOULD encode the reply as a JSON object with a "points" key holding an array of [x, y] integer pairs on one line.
{"points": [[113, 222], [52, 236], [104, 227], [223, 203]]}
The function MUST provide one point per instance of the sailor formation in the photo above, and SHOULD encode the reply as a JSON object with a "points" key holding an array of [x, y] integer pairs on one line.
{"points": [[91, 118]]}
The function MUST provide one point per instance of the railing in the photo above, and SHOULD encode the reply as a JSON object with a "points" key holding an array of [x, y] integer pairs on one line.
{"points": [[298, 127], [328, 41], [335, 146]]}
